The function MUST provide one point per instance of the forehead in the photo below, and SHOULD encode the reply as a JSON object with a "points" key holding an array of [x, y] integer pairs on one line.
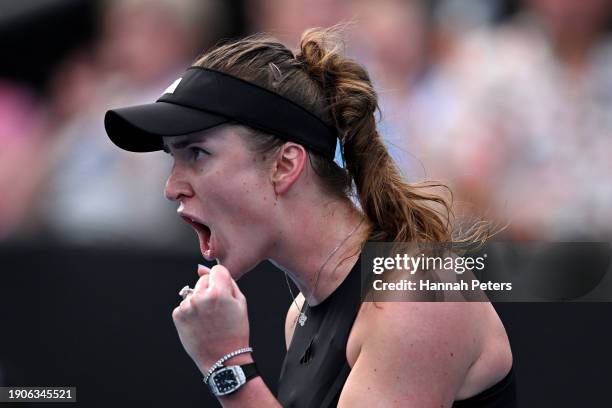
{"points": [[182, 141]]}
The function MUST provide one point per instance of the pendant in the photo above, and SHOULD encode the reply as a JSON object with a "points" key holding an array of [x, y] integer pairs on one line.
{"points": [[302, 319]]}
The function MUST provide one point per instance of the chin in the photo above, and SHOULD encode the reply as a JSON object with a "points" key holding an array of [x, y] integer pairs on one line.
{"points": [[239, 268], [235, 271]]}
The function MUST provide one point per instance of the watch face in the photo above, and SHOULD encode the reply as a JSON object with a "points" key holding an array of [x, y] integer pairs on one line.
{"points": [[225, 381]]}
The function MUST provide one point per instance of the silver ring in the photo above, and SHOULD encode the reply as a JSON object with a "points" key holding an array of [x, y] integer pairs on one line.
{"points": [[186, 291]]}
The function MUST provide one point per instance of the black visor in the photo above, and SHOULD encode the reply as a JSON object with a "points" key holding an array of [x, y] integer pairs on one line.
{"points": [[204, 98]]}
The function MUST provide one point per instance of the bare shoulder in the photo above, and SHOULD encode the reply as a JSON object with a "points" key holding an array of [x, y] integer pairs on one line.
{"points": [[460, 344], [291, 318], [412, 323]]}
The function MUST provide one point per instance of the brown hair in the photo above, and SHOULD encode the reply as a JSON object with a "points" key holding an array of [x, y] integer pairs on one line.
{"points": [[338, 90]]}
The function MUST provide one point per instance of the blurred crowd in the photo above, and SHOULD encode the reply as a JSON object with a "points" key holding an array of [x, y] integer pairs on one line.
{"points": [[510, 103]]}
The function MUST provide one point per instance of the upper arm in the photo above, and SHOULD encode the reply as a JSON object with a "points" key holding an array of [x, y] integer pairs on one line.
{"points": [[290, 320], [415, 354]]}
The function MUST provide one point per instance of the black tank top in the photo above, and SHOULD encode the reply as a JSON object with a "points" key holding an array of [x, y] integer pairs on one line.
{"points": [[315, 367]]}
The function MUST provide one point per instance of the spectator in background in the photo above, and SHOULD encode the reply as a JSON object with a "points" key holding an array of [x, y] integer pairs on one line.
{"points": [[407, 46], [533, 141], [143, 45], [287, 19], [22, 154]]}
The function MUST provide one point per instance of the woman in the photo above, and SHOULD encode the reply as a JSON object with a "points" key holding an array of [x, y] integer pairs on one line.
{"points": [[253, 129]]}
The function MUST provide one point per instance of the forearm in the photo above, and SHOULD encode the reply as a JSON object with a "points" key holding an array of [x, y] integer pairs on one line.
{"points": [[255, 393]]}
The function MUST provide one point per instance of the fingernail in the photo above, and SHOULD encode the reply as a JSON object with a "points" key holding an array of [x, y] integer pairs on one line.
{"points": [[203, 267]]}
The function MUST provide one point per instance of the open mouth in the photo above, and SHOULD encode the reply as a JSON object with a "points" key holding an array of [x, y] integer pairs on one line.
{"points": [[204, 235]]}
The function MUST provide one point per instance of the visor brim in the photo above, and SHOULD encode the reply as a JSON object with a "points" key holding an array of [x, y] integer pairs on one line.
{"points": [[141, 128]]}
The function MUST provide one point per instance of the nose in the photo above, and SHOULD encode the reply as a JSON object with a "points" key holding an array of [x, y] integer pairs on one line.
{"points": [[177, 186]]}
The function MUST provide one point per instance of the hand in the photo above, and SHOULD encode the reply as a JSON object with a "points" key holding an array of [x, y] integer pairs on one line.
{"points": [[213, 320]]}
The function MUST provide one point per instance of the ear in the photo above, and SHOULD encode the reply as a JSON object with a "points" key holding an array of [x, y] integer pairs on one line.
{"points": [[289, 164]]}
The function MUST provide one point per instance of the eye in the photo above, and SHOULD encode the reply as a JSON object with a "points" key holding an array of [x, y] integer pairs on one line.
{"points": [[196, 153]]}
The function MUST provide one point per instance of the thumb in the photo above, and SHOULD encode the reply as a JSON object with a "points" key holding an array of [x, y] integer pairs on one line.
{"points": [[221, 279], [203, 270]]}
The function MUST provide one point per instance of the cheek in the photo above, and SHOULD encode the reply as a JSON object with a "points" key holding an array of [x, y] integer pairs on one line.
{"points": [[252, 201], [239, 200]]}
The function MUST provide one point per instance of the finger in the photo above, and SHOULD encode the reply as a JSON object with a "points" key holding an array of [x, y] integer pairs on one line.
{"points": [[202, 283], [176, 313], [187, 308], [203, 270], [184, 306], [220, 280]]}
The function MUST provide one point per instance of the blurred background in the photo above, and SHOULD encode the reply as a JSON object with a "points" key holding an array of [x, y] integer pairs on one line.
{"points": [[509, 102]]}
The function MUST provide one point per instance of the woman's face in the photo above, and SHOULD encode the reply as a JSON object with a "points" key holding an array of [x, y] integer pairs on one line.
{"points": [[225, 193]]}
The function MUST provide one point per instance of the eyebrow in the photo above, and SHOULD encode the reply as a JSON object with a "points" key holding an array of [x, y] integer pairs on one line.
{"points": [[182, 144]]}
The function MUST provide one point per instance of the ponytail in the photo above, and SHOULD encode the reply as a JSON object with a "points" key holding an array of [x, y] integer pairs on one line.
{"points": [[397, 210]]}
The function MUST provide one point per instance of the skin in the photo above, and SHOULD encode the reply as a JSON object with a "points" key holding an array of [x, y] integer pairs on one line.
{"points": [[273, 208]]}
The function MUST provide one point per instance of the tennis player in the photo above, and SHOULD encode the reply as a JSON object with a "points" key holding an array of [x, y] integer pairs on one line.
{"points": [[253, 129]]}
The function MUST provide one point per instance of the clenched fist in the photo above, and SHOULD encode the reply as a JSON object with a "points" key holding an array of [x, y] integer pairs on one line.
{"points": [[213, 320]]}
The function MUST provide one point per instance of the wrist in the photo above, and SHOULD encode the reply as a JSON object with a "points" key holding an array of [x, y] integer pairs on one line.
{"points": [[235, 357], [231, 372]]}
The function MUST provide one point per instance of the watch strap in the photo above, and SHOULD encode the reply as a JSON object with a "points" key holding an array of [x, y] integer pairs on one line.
{"points": [[249, 370]]}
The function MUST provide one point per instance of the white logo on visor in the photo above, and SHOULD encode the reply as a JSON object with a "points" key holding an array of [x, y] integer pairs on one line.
{"points": [[172, 87]]}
